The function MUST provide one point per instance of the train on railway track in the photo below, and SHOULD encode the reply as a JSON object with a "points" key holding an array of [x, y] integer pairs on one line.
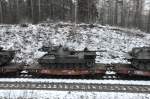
{"points": [[61, 61]]}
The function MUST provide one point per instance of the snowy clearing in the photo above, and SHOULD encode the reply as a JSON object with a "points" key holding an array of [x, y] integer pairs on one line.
{"points": [[27, 40], [40, 94], [134, 82]]}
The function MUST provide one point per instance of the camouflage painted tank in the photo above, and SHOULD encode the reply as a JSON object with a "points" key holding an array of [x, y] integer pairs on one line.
{"points": [[60, 57], [6, 56], [140, 58]]}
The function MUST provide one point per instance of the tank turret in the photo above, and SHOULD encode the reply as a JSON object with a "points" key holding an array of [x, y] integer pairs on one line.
{"points": [[62, 57], [140, 58], [6, 56]]}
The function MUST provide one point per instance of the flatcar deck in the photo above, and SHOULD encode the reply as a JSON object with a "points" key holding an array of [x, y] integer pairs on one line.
{"points": [[127, 69], [10, 69], [40, 70], [99, 71]]}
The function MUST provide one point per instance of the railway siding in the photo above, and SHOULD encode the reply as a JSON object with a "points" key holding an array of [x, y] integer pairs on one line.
{"points": [[75, 87]]}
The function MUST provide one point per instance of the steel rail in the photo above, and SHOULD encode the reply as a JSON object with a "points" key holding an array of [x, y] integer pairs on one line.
{"points": [[75, 87]]}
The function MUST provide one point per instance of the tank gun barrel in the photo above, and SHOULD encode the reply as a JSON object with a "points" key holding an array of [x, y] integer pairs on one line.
{"points": [[45, 49], [94, 51]]}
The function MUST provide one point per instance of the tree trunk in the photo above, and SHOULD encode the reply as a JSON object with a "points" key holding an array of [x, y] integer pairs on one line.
{"points": [[1, 12], [148, 24], [32, 13], [39, 10], [116, 13]]}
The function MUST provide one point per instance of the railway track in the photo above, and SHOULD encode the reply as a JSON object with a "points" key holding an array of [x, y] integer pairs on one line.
{"points": [[75, 87]]}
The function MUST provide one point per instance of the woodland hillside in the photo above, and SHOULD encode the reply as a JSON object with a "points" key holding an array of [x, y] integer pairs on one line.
{"points": [[124, 13]]}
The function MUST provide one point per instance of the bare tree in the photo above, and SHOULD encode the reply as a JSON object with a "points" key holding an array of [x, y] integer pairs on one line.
{"points": [[32, 7], [125, 13], [1, 12], [86, 9], [39, 10], [148, 24], [138, 12]]}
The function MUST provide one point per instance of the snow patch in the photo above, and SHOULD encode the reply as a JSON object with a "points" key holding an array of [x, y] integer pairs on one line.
{"points": [[27, 40], [43, 94]]}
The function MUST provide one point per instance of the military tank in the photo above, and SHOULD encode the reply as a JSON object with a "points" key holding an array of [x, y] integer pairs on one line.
{"points": [[140, 58], [61, 57], [6, 56]]}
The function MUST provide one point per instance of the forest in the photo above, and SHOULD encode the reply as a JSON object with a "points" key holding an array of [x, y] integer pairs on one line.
{"points": [[124, 13]]}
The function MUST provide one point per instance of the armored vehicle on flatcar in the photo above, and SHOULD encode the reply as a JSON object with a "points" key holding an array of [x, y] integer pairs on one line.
{"points": [[6, 56], [62, 57], [140, 58], [64, 62]]}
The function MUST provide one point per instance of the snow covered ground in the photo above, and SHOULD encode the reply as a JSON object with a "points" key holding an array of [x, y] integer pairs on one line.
{"points": [[27, 40], [40, 94], [132, 82]]}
